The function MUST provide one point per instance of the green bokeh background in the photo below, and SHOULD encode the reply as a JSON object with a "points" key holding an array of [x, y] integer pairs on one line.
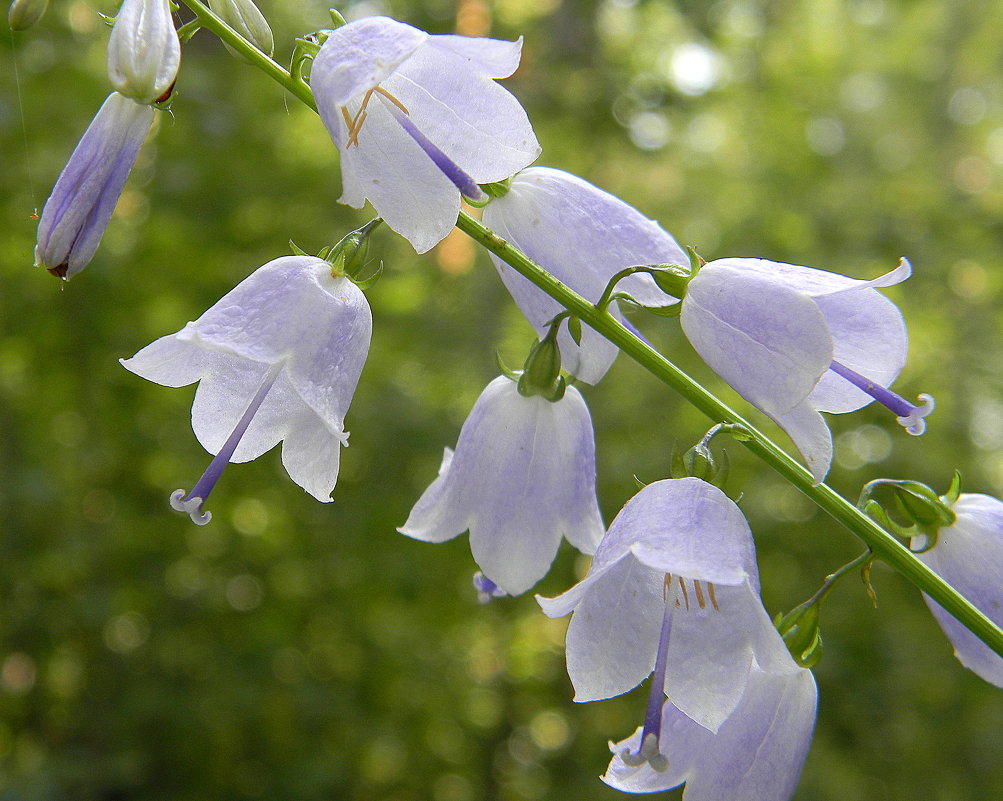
{"points": [[293, 650]]}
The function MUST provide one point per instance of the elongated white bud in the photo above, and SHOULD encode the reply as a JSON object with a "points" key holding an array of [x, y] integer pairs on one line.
{"points": [[22, 14], [243, 16], [143, 52]]}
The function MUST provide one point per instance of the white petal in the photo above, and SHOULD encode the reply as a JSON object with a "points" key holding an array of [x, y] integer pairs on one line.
{"points": [[770, 343], [144, 52], [479, 125], [810, 435], [869, 337], [437, 516], [969, 556], [358, 57], [583, 236], [406, 188], [811, 281], [711, 653], [496, 58], [685, 527], [311, 454], [613, 635], [169, 362]]}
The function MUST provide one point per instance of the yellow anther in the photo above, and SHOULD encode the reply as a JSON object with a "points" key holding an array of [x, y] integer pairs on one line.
{"points": [[700, 599], [713, 600], [354, 124], [686, 595], [666, 586]]}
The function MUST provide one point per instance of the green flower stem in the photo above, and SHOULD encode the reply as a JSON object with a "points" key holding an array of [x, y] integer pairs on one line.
{"points": [[884, 545]]}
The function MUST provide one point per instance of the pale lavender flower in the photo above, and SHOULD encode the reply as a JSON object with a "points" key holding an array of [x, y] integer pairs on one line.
{"points": [[523, 475], [583, 236], [969, 556], [144, 52], [674, 580], [673, 589], [419, 120], [277, 358], [796, 341], [756, 755], [84, 197]]}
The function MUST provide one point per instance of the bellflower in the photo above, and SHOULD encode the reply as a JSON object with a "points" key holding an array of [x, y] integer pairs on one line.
{"points": [[969, 556], [419, 120], [583, 236], [674, 581], [796, 341], [23, 14], [277, 358], [523, 475], [143, 51], [84, 197], [674, 589]]}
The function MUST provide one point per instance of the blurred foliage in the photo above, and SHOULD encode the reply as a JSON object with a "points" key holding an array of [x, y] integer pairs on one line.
{"points": [[293, 650]]}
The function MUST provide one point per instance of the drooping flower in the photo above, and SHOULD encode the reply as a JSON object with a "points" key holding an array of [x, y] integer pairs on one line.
{"points": [[523, 475], [583, 236], [84, 197], [795, 341], [756, 755], [277, 358], [673, 588], [143, 51], [969, 556], [419, 120]]}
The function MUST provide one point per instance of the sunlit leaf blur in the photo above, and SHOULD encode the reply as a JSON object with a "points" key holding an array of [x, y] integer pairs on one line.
{"points": [[293, 650]]}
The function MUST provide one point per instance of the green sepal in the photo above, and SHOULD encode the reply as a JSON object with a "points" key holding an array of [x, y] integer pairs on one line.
{"points": [[575, 329], [541, 375], [348, 257], [800, 631], [496, 189], [672, 279], [954, 491], [297, 250], [336, 19], [665, 311], [700, 462], [506, 371], [366, 283]]}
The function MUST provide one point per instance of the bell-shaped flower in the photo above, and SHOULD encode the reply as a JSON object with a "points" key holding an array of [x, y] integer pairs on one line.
{"points": [[277, 359], [583, 236], [419, 120], [144, 52], [796, 341], [968, 555], [523, 475], [674, 582], [84, 197], [756, 755]]}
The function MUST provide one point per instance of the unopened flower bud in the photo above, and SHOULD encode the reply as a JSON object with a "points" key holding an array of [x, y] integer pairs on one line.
{"points": [[22, 14], [245, 18], [143, 52], [84, 197], [542, 372]]}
